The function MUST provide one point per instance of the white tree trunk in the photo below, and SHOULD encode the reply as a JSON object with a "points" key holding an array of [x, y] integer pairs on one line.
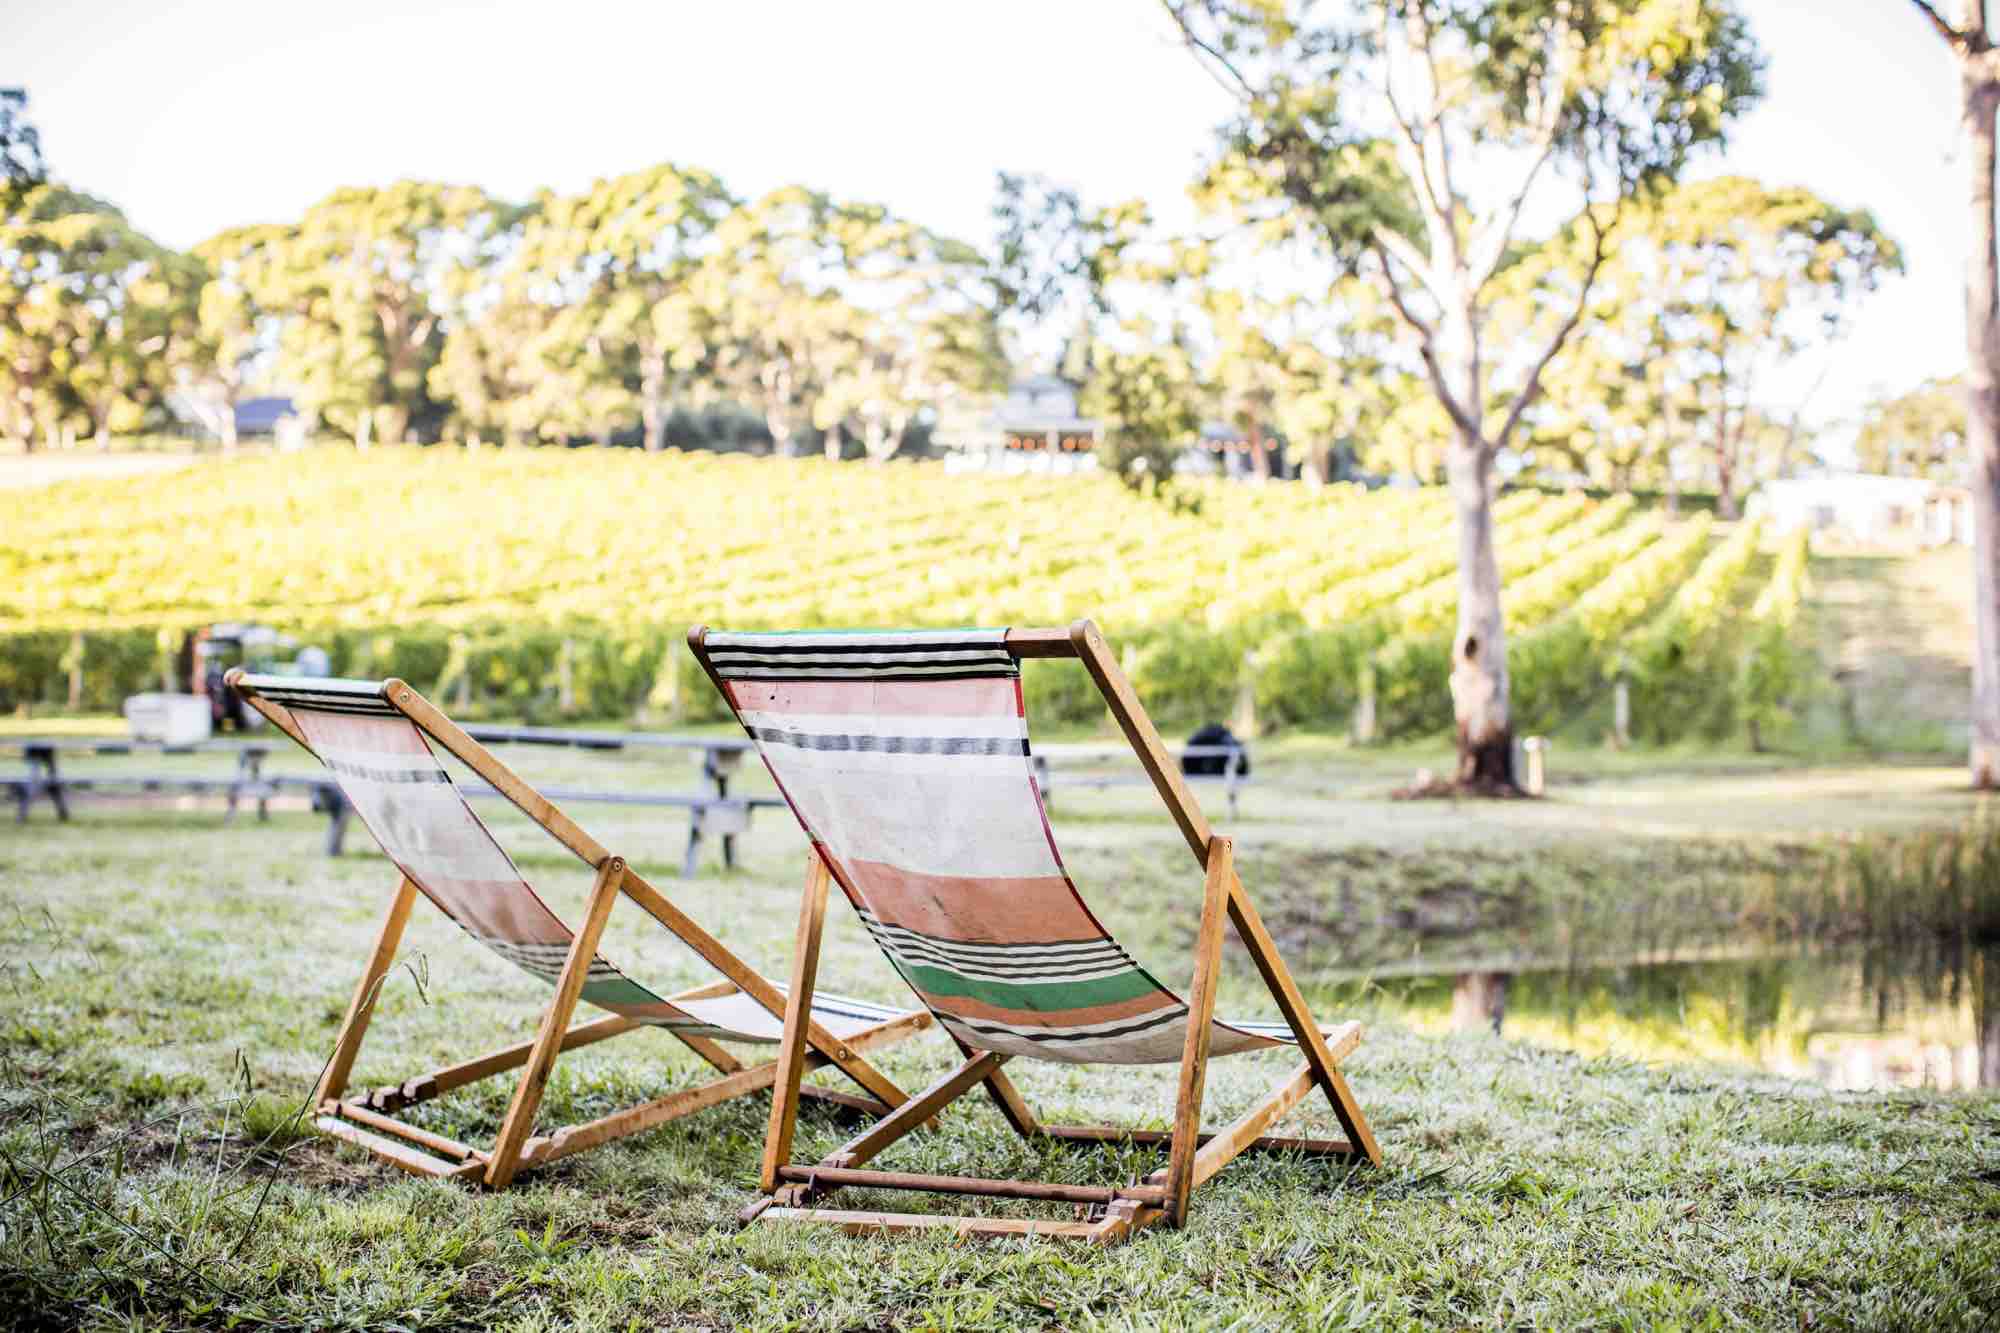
{"points": [[653, 400], [1479, 689], [1982, 393]]}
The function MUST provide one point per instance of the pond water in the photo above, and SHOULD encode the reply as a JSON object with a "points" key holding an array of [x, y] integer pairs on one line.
{"points": [[1920, 1015]]}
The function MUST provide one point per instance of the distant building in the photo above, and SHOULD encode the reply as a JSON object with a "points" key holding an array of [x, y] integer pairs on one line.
{"points": [[1884, 510], [260, 416], [1035, 428]]}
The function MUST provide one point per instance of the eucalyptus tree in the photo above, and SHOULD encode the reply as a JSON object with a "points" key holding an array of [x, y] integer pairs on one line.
{"points": [[237, 333], [770, 304], [921, 331], [1717, 292], [619, 260], [1918, 433], [1977, 60], [495, 372], [1410, 139], [94, 315], [362, 287]]}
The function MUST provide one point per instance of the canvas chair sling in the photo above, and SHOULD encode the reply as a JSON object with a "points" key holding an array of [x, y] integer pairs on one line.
{"points": [[375, 738], [905, 757]]}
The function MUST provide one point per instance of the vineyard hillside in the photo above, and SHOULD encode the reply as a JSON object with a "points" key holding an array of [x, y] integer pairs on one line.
{"points": [[544, 582]]}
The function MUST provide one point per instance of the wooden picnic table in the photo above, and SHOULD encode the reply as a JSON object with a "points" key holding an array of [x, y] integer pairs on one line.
{"points": [[713, 812]]}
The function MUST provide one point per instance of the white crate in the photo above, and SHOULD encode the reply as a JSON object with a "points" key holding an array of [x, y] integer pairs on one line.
{"points": [[176, 719]]}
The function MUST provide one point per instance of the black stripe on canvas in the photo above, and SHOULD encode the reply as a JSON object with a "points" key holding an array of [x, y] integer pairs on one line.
{"points": [[355, 707], [1170, 1016], [886, 673], [980, 948], [717, 645], [398, 775], [1053, 968]]}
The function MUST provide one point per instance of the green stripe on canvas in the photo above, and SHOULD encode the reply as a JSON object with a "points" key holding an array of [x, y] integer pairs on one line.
{"points": [[1035, 997]]}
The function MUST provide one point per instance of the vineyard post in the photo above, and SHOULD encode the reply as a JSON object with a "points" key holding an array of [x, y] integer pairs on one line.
{"points": [[1536, 748], [1364, 706], [1621, 709]]}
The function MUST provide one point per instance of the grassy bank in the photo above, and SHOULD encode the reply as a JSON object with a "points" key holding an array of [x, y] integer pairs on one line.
{"points": [[170, 987]]}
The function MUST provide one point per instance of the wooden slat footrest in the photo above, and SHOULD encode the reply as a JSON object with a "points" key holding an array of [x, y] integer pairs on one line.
{"points": [[423, 1138], [835, 1177], [399, 1154], [1161, 1137], [861, 1224], [848, 1100]]}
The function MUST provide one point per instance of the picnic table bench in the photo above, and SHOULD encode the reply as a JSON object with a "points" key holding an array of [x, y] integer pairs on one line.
{"points": [[710, 813], [1049, 775], [44, 776]]}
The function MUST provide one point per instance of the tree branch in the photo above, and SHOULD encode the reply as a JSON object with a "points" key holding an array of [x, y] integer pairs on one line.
{"points": [[1531, 388], [1414, 153], [1491, 243], [1408, 255], [1214, 59], [1959, 40], [1425, 339]]}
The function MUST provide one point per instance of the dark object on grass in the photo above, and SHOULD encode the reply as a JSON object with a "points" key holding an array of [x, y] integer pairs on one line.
{"points": [[1205, 763]]}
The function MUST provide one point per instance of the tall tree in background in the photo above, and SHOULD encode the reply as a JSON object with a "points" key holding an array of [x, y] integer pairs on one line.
{"points": [[771, 297], [233, 326], [622, 255], [922, 334], [1413, 136], [1921, 433], [94, 316], [363, 285], [1717, 291], [1971, 43]]}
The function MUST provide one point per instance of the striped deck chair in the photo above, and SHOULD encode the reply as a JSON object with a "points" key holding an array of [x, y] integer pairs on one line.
{"points": [[905, 757], [375, 738]]}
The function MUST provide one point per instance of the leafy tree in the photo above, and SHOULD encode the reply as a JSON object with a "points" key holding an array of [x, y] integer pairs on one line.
{"points": [[236, 332], [362, 285], [1716, 288], [921, 332], [1973, 51], [1409, 138], [1146, 390], [1921, 433], [773, 304], [94, 315], [21, 161], [621, 257], [495, 371]]}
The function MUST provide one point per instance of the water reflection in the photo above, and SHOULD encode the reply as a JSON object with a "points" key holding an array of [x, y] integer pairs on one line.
{"points": [[1922, 1014]]}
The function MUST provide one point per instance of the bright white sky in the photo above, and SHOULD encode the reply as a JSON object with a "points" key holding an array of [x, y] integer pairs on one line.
{"points": [[194, 115]]}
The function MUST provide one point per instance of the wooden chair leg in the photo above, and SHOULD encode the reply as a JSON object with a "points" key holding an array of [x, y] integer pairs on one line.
{"points": [[1007, 1098], [361, 1008], [798, 1013], [1278, 977], [1201, 1014], [555, 1023]]}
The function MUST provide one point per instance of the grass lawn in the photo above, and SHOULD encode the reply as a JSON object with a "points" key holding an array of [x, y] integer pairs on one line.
{"points": [[169, 987]]}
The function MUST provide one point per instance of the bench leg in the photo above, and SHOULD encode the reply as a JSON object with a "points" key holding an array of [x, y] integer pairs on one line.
{"points": [[336, 826], [729, 851], [692, 858]]}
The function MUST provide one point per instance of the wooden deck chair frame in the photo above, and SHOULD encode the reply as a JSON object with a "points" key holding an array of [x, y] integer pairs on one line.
{"points": [[367, 1119], [792, 1192]]}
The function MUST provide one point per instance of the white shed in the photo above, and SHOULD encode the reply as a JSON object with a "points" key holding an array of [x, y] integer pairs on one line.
{"points": [[1892, 510]]}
